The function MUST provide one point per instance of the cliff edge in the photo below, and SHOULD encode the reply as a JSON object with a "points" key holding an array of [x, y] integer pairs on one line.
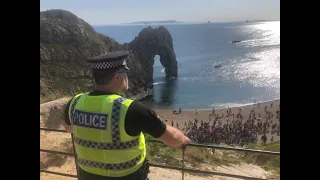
{"points": [[66, 41]]}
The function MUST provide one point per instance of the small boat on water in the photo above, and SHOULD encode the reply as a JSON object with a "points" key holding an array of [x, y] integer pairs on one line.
{"points": [[235, 41], [218, 66]]}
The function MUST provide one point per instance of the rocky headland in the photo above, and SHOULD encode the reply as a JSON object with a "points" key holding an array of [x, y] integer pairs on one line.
{"points": [[66, 42]]}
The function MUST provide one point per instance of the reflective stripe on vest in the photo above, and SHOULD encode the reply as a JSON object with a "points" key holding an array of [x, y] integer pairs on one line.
{"points": [[116, 169], [124, 165]]}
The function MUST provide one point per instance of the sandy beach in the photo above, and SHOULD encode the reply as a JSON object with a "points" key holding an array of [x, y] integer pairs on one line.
{"points": [[51, 117], [189, 115]]}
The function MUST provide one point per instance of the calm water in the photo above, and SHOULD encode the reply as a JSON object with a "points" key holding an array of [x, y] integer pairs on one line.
{"points": [[250, 69]]}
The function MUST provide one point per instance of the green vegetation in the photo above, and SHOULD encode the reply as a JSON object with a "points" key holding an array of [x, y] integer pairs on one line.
{"points": [[195, 157], [268, 162]]}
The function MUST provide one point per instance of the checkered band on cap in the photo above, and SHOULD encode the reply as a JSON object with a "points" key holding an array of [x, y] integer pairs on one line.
{"points": [[107, 65], [106, 166]]}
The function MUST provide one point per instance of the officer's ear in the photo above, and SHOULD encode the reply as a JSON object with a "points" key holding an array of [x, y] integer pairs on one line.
{"points": [[121, 75], [117, 76]]}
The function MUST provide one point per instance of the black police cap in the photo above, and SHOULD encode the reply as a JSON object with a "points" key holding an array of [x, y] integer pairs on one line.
{"points": [[109, 60]]}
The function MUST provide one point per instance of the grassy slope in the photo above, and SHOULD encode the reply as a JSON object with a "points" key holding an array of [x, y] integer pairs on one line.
{"points": [[162, 154]]}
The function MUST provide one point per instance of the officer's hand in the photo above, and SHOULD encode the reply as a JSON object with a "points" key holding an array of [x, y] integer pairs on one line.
{"points": [[186, 141]]}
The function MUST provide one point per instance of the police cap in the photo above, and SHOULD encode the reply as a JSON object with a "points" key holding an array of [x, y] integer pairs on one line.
{"points": [[110, 60]]}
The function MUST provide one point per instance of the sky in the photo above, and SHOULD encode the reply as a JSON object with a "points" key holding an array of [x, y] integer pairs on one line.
{"points": [[103, 12]]}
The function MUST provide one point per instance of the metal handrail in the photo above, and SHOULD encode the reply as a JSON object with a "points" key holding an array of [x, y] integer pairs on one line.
{"points": [[164, 166], [58, 173], [198, 145], [55, 130], [174, 168], [224, 148], [56, 152]]}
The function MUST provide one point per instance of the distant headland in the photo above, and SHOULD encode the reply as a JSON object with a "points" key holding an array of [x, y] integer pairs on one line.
{"points": [[155, 22], [260, 20]]}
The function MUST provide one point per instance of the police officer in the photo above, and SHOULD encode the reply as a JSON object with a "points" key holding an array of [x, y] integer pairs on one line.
{"points": [[108, 128]]}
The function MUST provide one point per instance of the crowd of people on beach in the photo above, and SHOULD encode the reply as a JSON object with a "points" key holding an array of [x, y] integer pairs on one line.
{"points": [[233, 129]]}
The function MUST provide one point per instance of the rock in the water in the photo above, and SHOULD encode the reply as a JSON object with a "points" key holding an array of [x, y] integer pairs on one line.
{"points": [[235, 41], [151, 42], [67, 41]]}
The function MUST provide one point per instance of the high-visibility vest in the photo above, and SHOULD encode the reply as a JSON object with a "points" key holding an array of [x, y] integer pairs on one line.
{"points": [[101, 142]]}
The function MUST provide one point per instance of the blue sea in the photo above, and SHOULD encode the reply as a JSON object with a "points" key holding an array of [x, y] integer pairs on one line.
{"points": [[250, 70]]}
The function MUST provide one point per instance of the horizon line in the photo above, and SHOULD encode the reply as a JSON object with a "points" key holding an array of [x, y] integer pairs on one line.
{"points": [[177, 22]]}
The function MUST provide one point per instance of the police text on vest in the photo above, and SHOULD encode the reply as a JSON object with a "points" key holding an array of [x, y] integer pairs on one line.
{"points": [[90, 120]]}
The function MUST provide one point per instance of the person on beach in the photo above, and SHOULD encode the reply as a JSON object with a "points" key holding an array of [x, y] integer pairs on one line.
{"points": [[108, 128], [264, 139]]}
